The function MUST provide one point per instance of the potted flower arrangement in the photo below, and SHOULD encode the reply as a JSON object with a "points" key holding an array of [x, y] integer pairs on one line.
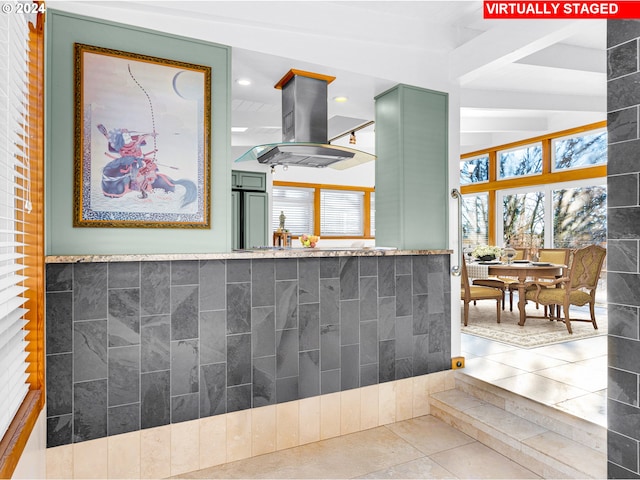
{"points": [[486, 252]]}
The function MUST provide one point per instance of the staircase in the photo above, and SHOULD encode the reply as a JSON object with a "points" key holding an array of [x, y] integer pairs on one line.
{"points": [[547, 441]]}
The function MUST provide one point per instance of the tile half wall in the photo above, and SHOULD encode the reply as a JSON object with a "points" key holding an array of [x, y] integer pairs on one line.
{"points": [[137, 345], [198, 444]]}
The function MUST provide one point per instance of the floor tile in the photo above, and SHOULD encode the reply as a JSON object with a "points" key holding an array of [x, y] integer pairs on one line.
{"points": [[422, 468], [429, 434], [482, 347], [526, 360], [576, 350], [589, 378], [476, 460], [541, 389], [489, 371], [347, 456]]}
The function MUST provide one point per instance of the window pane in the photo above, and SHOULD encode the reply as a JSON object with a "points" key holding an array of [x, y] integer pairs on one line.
{"points": [[474, 170], [372, 209], [341, 213], [579, 216], [475, 219], [580, 151], [297, 205], [520, 162], [523, 216]]}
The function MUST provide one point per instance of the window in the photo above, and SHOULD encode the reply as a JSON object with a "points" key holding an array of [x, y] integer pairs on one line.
{"points": [[568, 215], [523, 217], [475, 219], [21, 238], [579, 216], [520, 161], [531, 176], [474, 170], [297, 205], [341, 213], [325, 210], [579, 151]]}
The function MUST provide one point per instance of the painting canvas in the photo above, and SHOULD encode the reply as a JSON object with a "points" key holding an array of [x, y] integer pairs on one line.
{"points": [[142, 133]]}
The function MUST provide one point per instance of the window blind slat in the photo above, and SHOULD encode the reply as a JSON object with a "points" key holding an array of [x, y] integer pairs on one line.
{"points": [[13, 318], [9, 298]]}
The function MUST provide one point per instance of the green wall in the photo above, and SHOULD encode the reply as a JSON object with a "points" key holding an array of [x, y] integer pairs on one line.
{"points": [[63, 30], [412, 168]]}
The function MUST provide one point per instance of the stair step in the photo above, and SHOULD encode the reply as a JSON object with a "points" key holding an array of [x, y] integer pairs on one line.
{"points": [[578, 429], [489, 414]]}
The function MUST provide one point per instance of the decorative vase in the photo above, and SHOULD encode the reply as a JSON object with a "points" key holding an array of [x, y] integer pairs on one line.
{"points": [[487, 258]]}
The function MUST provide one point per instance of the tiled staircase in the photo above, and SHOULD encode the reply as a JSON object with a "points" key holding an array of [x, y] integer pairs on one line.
{"points": [[549, 442]]}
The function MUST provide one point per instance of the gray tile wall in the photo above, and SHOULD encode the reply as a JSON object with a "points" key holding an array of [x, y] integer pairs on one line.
{"points": [[142, 344], [623, 98]]}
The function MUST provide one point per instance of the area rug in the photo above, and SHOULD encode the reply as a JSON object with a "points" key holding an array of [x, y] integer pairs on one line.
{"points": [[536, 332]]}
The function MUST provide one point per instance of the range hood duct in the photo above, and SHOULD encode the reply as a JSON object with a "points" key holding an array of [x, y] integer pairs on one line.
{"points": [[304, 128]]}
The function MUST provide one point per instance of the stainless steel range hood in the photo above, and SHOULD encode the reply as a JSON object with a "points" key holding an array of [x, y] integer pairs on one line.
{"points": [[304, 128]]}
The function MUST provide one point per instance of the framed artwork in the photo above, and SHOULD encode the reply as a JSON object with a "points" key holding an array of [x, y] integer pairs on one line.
{"points": [[142, 141]]}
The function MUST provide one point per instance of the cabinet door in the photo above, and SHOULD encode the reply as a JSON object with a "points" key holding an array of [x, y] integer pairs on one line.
{"points": [[248, 180], [235, 220], [256, 219]]}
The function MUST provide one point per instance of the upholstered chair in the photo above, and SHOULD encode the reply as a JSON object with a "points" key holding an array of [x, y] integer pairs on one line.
{"points": [[471, 293], [504, 283], [577, 287]]}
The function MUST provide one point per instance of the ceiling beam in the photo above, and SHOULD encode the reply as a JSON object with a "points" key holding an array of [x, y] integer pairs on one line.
{"points": [[511, 100], [569, 57], [502, 124], [506, 43]]}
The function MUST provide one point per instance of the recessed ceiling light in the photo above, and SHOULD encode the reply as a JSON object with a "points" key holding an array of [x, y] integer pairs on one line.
{"points": [[243, 81], [340, 99], [239, 129]]}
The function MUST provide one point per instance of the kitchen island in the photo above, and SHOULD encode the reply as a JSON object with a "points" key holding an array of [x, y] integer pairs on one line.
{"points": [[141, 341]]}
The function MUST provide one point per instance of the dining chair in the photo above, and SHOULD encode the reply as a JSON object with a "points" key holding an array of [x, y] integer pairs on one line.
{"points": [[504, 283], [577, 287], [469, 293], [558, 256]]}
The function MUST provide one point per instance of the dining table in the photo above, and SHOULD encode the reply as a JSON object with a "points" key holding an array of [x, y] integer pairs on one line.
{"points": [[523, 271]]}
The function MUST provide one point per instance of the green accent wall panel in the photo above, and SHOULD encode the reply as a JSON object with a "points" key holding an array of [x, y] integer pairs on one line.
{"points": [[411, 168], [62, 31]]}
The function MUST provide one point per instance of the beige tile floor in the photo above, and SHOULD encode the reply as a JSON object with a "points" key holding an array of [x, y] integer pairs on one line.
{"points": [[569, 376], [423, 447]]}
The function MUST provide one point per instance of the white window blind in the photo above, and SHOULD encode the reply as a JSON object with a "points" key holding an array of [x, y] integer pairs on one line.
{"points": [[341, 213], [297, 205], [14, 200]]}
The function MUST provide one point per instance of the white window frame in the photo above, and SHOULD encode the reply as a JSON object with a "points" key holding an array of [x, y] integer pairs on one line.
{"points": [[547, 189]]}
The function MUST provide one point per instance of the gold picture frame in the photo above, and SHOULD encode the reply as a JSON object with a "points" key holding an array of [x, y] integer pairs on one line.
{"points": [[142, 141]]}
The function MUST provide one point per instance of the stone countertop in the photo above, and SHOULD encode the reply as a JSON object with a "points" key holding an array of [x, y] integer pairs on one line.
{"points": [[244, 254]]}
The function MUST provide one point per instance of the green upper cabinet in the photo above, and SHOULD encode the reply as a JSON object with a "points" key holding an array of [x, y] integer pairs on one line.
{"points": [[411, 168], [241, 180]]}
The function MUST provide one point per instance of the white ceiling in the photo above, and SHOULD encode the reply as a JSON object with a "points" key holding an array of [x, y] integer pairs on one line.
{"points": [[511, 79]]}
